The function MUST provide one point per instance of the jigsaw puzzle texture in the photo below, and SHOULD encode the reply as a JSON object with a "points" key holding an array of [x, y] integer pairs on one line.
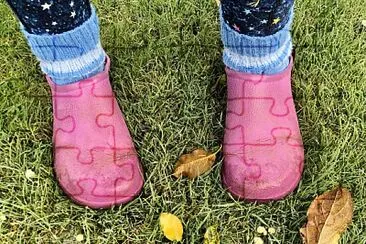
{"points": [[95, 159], [262, 146]]}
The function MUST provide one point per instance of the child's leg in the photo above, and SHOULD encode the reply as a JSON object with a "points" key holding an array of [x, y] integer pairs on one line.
{"points": [[51, 17], [256, 35], [95, 160], [262, 145], [64, 36]]}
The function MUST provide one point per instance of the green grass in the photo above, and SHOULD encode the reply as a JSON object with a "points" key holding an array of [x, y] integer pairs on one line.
{"points": [[167, 74]]}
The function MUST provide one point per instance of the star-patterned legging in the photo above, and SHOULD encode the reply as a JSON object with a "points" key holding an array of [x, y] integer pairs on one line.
{"points": [[256, 17], [51, 16], [250, 17]]}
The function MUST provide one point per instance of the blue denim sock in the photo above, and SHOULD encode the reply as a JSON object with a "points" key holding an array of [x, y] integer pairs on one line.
{"points": [[257, 54], [70, 56]]}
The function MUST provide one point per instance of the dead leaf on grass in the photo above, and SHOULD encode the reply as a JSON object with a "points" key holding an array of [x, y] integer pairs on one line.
{"points": [[328, 217], [194, 164]]}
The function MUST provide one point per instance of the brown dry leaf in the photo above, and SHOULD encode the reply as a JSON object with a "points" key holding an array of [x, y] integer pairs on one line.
{"points": [[328, 217], [194, 164]]}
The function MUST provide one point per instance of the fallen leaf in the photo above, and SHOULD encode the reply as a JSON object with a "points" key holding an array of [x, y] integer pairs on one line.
{"points": [[212, 236], [328, 217], [218, 2], [171, 226], [194, 164]]}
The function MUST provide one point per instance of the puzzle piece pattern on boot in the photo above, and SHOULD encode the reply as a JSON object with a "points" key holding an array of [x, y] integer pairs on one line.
{"points": [[95, 160], [263, 149]]}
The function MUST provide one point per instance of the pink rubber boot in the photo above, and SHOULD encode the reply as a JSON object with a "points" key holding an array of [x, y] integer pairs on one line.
{"points": [[95, 160], [264, 154]]}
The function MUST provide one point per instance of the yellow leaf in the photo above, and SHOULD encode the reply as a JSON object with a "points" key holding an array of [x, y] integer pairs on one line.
{"points": [[328, 217], [171, 226], [212, 236], [218, 2], [194, 164]]}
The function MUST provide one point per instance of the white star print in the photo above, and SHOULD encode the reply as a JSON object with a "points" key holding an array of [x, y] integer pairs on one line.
{"points": [[72, 4], [46, 6], [247, 11], [54, 23], [264, 21], [251, 28], [73, 14]]}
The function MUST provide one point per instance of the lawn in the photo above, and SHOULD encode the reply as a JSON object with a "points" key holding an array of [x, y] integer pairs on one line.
{"points": [[168, 77]]}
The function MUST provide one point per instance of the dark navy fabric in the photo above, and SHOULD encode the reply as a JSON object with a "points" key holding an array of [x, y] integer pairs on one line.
{"points": [[51, 16], [256, 17], [250, 17]]}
